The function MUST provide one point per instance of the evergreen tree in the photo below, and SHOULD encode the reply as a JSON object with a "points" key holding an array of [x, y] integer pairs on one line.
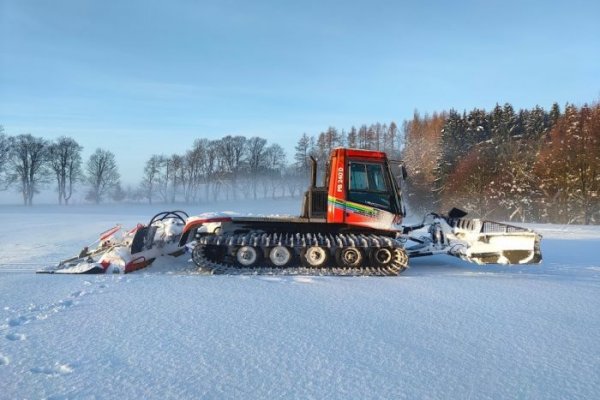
{"points": [[477, 127], [554, 114], [451, 149], [536, 123]]}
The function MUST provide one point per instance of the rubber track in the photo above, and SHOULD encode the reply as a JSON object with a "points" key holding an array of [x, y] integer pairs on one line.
{"points": [[298, 242]]}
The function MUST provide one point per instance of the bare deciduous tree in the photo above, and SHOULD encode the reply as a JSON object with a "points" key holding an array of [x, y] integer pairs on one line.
{"points": [[27, 160], [151, 177], [102, 174], [275, 161], [64, 159], [256, 160], [174, 165], [303, 148], [192, 171], [231, 152], [4, 147]]}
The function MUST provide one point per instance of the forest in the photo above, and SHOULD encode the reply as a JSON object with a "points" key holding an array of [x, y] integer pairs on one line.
{"points": [[527, 165], [532, 165]]}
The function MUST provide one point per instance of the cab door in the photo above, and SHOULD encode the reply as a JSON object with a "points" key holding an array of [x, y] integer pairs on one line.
{"points": [[370, 197]]}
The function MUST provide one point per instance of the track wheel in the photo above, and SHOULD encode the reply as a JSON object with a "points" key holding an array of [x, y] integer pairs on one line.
{"points": [[198, 256], [315, 257], [247, 256], [382, 257], [280, 256], [401, 259], [203, 253], [350, 257]]}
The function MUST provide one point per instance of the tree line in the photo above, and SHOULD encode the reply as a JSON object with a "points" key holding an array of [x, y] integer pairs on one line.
{"points": [[529, 165], [236, 166], [232, 167], [228, 168], [29, 163]]}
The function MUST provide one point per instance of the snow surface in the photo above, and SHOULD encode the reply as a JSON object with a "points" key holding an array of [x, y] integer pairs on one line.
{"points": [[445, 329]]}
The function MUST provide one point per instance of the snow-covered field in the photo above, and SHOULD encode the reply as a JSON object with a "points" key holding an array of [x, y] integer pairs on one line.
{"points": [[444, 329]]}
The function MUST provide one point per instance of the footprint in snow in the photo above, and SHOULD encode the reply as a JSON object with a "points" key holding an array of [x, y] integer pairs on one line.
{"points": [[65, 304], [57, 369], [18, 321], [33, 307], [78, 293], [40, 312], [16, 337]]}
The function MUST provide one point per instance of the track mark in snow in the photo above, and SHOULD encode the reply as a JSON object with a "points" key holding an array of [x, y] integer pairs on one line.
{"points": [[4, 360], [270, 279], [56, 370], [16, 337], [303, 279]]}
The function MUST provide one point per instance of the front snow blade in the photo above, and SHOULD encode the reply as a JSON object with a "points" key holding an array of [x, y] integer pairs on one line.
{"points": [[496, 243], [92, 269], [477, 241], [513, 250], [88, 268]]}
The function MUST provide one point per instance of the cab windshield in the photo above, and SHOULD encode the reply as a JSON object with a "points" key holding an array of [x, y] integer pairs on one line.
{"points": [[368, 185]]}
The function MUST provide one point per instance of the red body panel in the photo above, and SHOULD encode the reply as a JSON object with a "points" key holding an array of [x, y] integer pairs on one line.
{"points": [[338, 181], [196, 222], [339, 209]]}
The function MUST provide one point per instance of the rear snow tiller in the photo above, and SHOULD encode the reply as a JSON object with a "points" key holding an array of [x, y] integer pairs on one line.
{"points": [[120, 251]]}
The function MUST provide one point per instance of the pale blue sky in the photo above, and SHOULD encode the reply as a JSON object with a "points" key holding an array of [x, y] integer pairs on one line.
{"points": [[143, 77]]}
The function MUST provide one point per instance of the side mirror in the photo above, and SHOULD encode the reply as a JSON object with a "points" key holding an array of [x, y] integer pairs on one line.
{"points": [[403, 173]]}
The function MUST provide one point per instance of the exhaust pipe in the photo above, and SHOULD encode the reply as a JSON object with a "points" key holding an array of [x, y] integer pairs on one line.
{"points": [[313, 172]]}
